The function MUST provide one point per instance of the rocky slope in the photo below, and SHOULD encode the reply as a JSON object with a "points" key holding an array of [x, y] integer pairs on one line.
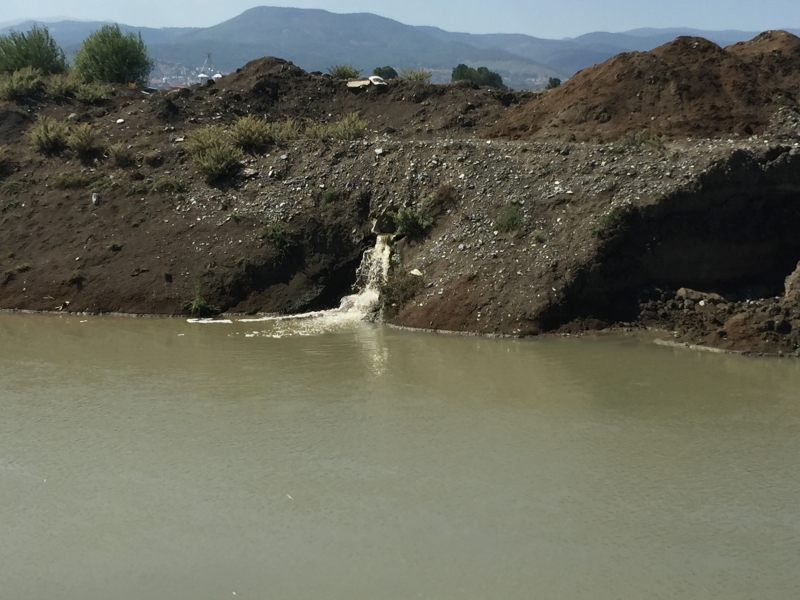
{"points": [[694, 238]]}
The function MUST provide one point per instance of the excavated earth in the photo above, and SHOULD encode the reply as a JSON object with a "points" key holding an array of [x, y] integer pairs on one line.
{"points": [[544, 222]]}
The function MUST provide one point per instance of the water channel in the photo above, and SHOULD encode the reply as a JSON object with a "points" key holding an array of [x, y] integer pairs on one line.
{"points": [[155, 458]]}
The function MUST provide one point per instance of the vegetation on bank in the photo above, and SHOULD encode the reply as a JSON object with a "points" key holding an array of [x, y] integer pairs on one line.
{"points": [[479, 76], [35, 49], [108, 55]]}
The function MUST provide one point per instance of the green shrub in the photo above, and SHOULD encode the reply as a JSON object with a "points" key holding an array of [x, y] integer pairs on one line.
{"points": [[91, 93], [82, 139], [73, 181], [48, 135], [479, 76], [512, 219], [62, 85], [420, 75], [642, 139], [350, 127], [386, 72], [10, 187], [344, 72], [251, 134], [198, 307], [276, 235], [21, 84], [213, 153], [330, 196], [110, 56], [167, 185], [413, 222], [120, 156], [552, 83], [35, 49], [284, 131]]}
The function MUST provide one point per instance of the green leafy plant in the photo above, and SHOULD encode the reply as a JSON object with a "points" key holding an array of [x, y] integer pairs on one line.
{"points": [[552, 83], [479, 76], [344, 72], [213, 153], [21, 84], [10, 187], [35, 49], [110, 56], [168, 185], [512, 219], [386, 72], [330, 196], [251, 134], [418, 75], [413, 222], [73, 181], [47, 135], [276, 235], [350, 127], [82, 139], [198, 307], [62, 85], [91, 93], [120, 155]]}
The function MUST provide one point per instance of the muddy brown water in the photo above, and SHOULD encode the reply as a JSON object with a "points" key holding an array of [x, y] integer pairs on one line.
{"points": [[161, 459]]}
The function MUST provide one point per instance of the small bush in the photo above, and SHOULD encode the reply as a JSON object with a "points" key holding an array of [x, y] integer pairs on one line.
{"points": [[330, 196], [22, 84], [479, 76], [120, 156], [198, 307], [413, 222], [35, 49], [386, 72], [73, 181], [110, 56], [167, 185], [512, 219], [62, 86], [251, 134], [213, 153], [276, 235], [642, 139], [284, 131], [10, 187], [91, 93], [552, 83], [48, 135], [420, 75], [398, 289], [350, 127], [82, 139], [344, 72]]}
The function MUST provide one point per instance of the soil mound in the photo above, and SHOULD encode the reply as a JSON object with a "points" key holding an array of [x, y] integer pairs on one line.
{"points": [[687, 87], [277, 89]]}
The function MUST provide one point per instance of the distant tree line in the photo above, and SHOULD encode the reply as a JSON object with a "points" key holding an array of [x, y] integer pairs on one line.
{"points": [[479, 76]]}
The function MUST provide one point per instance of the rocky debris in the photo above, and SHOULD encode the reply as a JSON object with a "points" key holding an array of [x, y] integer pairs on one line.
{"points": [[687, 87]]}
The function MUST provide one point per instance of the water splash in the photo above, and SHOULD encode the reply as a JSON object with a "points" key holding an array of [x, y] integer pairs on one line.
{"points": [[371, 275]]}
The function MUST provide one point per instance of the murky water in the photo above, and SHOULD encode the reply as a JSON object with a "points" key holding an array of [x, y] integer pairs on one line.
{"points": [[160, 459]]}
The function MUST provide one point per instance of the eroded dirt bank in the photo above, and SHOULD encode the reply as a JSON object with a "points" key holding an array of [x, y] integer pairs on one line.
{"points": [[691, 235]]}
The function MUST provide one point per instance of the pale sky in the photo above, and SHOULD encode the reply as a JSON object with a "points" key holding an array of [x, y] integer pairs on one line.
{"points": [[541, 18]]}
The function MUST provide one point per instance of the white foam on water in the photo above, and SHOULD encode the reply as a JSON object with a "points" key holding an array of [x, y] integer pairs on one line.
{"points": [[208, 321], [356, 307]]}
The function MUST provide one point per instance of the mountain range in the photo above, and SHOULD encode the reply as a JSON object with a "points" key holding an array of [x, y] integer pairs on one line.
{"points": [[317, 39]]}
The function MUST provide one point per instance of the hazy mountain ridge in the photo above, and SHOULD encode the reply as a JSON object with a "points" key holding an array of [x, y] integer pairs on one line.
{"points": [[317, 39]]}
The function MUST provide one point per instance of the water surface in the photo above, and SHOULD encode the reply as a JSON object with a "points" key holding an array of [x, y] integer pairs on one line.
{"points": [[160, 459]]}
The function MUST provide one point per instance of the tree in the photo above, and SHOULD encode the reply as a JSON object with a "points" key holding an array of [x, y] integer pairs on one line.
{"points": [[386, 72], [552, 83], [35, 49], [113, 57], [479, 76]]}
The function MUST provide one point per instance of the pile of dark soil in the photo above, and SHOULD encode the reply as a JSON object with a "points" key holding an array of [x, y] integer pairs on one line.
{"points": [[688, 87]]}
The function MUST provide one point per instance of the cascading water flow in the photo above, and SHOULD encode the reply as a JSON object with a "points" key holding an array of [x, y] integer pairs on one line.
{"points": [[372, 274]]}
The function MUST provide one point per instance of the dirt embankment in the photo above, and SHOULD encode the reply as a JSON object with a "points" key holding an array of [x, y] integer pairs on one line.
{"points": [[687, 87], [695, 237]]}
